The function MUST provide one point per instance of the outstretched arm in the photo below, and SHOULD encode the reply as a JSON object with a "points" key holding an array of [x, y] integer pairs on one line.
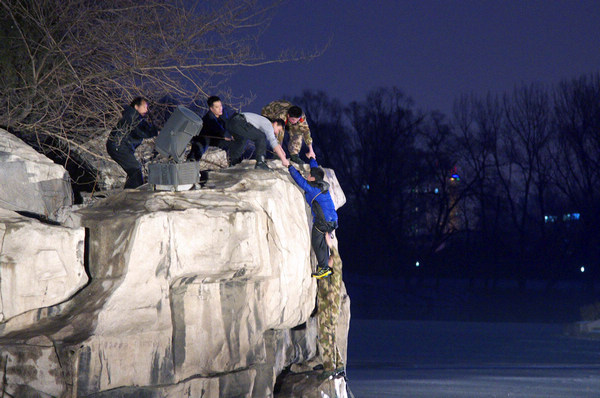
{"points": [[301, 181], [281, 154]]}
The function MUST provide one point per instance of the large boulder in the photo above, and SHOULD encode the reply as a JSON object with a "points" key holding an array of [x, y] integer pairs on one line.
{"points": [[30, 181], [41, 264], [197, 293]]}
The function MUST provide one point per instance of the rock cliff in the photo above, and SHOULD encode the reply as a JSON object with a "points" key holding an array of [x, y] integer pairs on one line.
{"points": [[29, 181], [164, 294]]}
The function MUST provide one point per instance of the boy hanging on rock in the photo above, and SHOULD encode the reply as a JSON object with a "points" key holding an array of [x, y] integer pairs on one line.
{"points": [[325, 219]]}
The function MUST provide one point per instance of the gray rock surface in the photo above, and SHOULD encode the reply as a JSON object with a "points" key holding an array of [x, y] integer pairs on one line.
{"points": [[197, 293], [29, 181], [41, 265]]}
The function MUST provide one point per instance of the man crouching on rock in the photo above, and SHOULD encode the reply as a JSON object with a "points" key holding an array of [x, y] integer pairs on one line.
{"points": [[258, 129], [325, 218], [131, 129]]}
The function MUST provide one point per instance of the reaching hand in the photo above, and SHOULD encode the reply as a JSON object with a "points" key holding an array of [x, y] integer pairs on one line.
{"points": [[285, 162], [311, 154]]}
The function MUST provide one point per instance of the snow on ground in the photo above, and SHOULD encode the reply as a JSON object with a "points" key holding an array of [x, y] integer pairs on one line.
{"points": [[467, 360]]}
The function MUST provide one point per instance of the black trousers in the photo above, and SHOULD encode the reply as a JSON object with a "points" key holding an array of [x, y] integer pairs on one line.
{"points": [[125, 157], [241, 131], [319, 245]]}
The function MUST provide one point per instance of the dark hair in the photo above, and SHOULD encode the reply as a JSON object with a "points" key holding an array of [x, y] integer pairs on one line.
{"points": [[279, 122], [138, 101], [295, 111], [212, 99], [318, 173]]}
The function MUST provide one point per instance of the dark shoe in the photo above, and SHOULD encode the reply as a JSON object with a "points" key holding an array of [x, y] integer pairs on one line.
{"points": [[322, 273], [261, 165], [296, 159]]}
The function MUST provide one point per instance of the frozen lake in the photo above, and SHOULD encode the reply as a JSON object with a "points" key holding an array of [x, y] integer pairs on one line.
{"points": [[470, 360]]}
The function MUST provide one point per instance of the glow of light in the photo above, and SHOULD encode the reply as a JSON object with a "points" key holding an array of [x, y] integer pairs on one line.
{"points": [[417, 264], [582, 269]]}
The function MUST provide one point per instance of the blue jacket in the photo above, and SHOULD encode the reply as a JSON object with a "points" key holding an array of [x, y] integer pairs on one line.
{"points": [[316, 192]]}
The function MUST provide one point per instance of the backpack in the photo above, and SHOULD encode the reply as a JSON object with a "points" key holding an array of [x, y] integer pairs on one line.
{"points": [[320, 222]]}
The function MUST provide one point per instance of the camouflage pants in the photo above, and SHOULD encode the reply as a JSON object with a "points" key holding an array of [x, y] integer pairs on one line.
{"points": [[329, 306], [295, 142]]}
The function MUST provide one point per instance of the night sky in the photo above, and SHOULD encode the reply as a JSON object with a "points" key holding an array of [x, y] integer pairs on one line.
{"points": [[432, 50]]}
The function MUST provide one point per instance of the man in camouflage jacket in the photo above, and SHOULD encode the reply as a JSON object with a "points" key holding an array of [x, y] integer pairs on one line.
{"points": [[295, 124]]}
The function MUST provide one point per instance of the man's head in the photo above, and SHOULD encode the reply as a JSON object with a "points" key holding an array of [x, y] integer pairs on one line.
{"points": [[294, 114], [278, 126], [140, 104], [316, 174], [215, 105]]}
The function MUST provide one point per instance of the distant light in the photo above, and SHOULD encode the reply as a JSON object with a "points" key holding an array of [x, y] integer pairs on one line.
{"points": [[455, 177], [437, 190], [582, 269], [571, 217], [417, 264]]}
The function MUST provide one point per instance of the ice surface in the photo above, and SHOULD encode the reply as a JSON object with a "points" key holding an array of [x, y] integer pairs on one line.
{"points": [[467, 360]]}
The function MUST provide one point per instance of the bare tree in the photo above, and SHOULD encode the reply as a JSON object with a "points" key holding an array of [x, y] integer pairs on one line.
{"points": [[526, 176], [577, 159], [68, 66], [387, 167], [476, 144], [334, 141], [443, 197]]}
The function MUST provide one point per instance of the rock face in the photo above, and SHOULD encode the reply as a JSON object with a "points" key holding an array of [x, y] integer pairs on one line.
{"points": [[197, 293], [41, 265], [30, 181]]}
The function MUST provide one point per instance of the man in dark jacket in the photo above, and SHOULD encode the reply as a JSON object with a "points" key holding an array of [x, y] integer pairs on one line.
{"points": [[127, 136], [325, 219], [213, 131]]}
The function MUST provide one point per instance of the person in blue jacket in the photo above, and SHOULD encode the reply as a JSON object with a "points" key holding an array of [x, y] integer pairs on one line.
{"points": [[325, 218], [131, 129]]}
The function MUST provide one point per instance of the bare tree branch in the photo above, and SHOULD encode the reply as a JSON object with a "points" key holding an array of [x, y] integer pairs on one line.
{"points": [[69, 66]]}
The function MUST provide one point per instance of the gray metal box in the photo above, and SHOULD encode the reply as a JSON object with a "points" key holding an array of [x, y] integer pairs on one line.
{"points": [[174, 173], [177, 132]]}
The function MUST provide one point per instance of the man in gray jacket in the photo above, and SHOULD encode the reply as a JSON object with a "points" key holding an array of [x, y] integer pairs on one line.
{"points": [[260, 130]]}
